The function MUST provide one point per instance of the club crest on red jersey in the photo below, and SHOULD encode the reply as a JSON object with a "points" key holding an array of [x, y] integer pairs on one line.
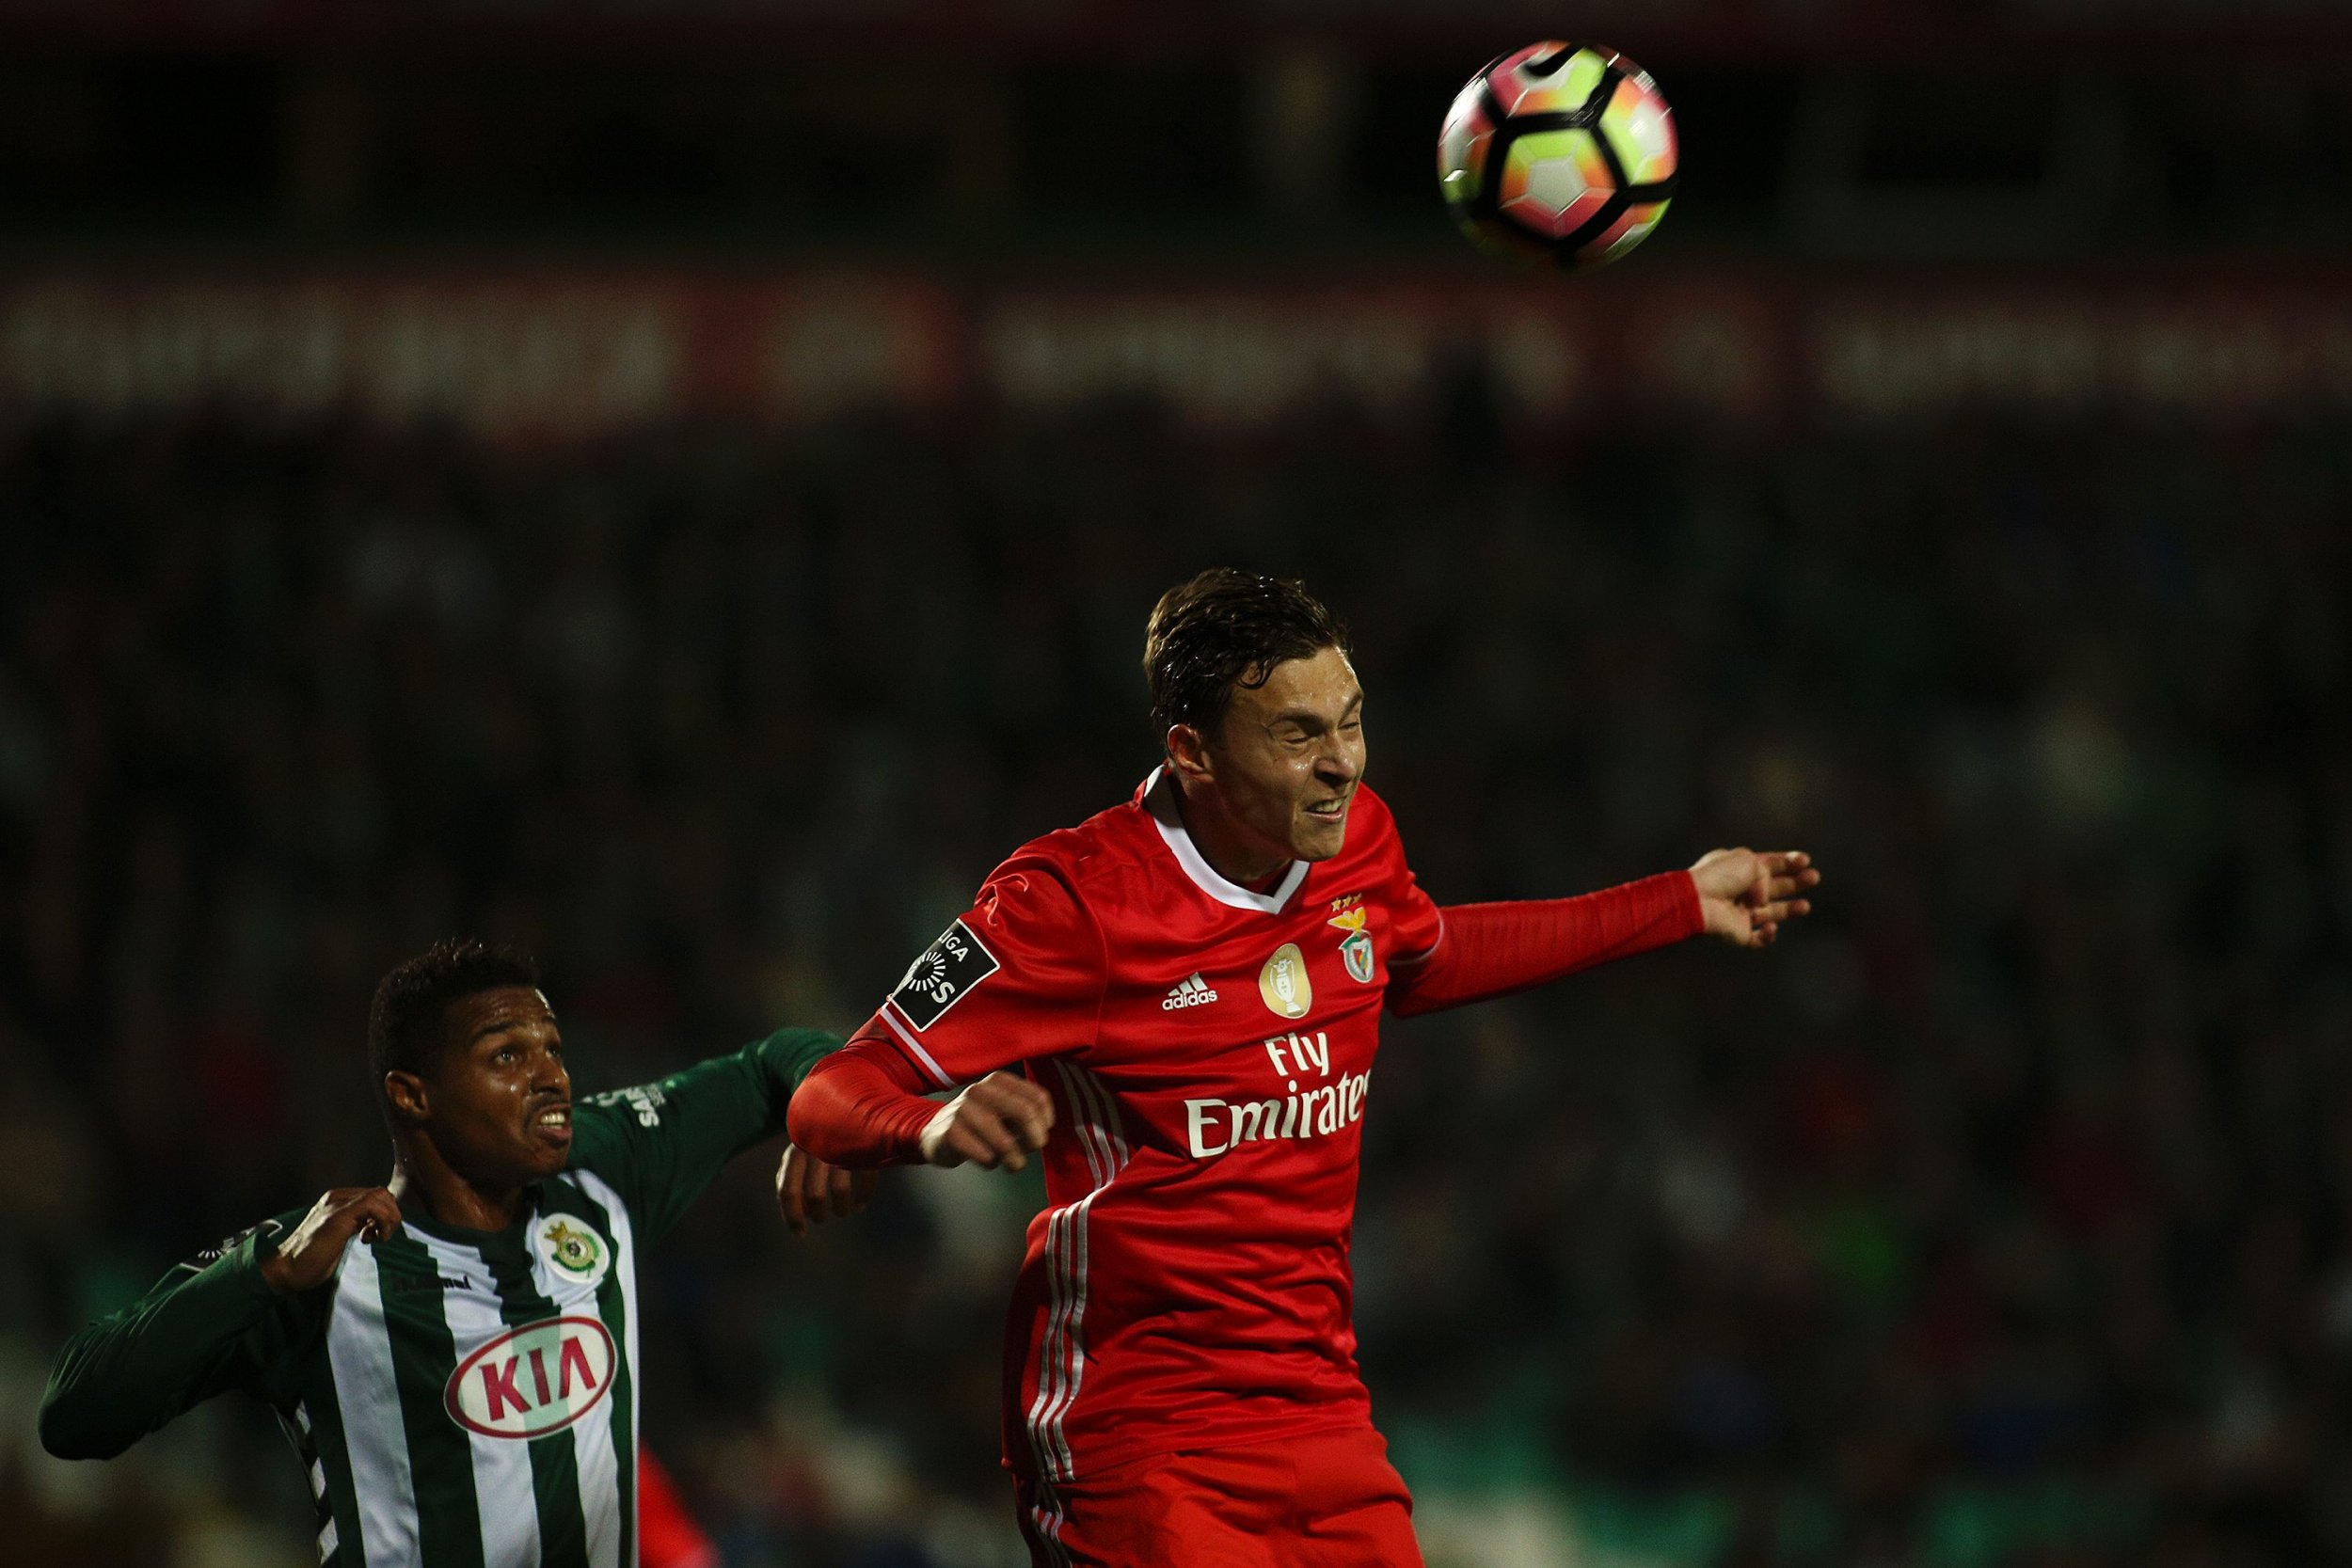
{"points": [[943, 975], [1356, 946]]}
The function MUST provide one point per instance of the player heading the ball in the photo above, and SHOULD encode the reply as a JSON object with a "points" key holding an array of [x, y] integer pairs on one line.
{"points": [[1177, 1003]]}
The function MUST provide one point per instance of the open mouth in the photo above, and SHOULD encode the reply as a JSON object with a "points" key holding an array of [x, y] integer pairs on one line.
{"points": [[553, 1122], [1328, 811]]}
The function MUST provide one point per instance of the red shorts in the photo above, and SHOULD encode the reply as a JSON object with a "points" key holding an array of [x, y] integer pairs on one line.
{"points": [[1329, 1499]]}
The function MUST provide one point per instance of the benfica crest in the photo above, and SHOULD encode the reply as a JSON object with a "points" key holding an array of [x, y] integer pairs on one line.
{"points": [[1355, 947]]}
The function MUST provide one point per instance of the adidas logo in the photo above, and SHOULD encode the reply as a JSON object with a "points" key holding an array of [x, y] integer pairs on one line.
{"points": [[1194, 992]]}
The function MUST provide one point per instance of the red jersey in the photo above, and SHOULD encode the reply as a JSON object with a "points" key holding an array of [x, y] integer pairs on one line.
{"points": [[1209, 1049]]}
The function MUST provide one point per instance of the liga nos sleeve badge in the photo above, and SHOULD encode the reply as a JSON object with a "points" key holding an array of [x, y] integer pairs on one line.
{"points": [[943, 975]]}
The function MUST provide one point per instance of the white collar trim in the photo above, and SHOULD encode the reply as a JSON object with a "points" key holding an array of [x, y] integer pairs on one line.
{"points": [[1160, 802]]}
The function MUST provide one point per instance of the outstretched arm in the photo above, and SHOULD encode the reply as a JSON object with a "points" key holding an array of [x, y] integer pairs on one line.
{"points": [[1488, 950], [660, 1144]]}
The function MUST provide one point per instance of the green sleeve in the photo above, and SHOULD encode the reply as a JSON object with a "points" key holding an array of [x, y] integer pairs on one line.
{"points": [[661, 1144], [208, 1325]]}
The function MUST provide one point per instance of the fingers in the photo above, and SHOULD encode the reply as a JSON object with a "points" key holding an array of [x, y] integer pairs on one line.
{"points": [[370, 1213], [1008, 1117], [1025, 1110], [1789, 872], [809, 1191], [314, 1251], [836, 1204], [848, 1191], [1775, 897], [791, 1202], [378, 1214], [981, 1139], [995, 1124]]}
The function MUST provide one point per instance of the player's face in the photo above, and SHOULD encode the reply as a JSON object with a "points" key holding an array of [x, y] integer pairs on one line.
{"points": [[501, 1102], [1292, 752]]}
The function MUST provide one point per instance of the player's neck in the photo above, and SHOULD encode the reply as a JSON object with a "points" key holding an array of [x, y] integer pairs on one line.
{"points": [[422, 1179], [1234, 852]]}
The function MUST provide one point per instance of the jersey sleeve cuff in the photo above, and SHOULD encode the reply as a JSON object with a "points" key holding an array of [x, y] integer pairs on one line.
{"points": [[1694, 908]]}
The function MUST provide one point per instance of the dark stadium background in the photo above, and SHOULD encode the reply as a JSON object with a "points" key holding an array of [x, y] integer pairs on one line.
{"points": [[678, 487]]}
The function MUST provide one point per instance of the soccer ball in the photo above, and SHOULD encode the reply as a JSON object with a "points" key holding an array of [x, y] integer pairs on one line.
{"points": [[1559, 153]]}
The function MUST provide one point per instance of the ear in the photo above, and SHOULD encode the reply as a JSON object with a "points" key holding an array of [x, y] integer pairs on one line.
{"points": [[407, 1093], [1188, 754]]}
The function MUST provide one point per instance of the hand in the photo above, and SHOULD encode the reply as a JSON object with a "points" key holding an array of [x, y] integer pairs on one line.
{"points": [[1746, 896], [310, 1255], [996, 1122], [809, 1191]]}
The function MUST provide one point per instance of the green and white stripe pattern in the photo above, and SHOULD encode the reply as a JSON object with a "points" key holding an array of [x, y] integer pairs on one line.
{"points": [[477, 1404], [459, 1400]]}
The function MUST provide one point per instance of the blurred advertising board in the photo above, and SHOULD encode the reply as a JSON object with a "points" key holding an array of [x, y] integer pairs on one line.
{"points": [[1018, 22], [528, 356]]}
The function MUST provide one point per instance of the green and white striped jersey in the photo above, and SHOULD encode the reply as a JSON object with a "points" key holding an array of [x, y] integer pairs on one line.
{"points": [[460, 1399]]}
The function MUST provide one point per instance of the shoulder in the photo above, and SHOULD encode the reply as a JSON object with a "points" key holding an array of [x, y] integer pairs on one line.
{"points": [[1100, 848], [1082, 873], [1374, 861], [1376, 815], [613, 1130], [1372, 828], [1035, 908], [641, 1103], [1048, 903], [265, 1236], [635, 1105]]}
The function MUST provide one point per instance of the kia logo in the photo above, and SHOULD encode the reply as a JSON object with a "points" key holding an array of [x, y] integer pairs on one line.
{"points": [[533, 1380]]}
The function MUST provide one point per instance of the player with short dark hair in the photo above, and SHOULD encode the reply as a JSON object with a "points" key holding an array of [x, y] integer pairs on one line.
{"points": [[409, 1014], [1190, 986], [453, 1355], [1222, 631]]}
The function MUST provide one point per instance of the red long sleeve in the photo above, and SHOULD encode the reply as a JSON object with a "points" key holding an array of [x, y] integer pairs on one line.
{"points": [[858, 1108], [1493, 949]]}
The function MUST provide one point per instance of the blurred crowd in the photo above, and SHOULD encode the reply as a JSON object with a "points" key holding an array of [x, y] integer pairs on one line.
{"points": [[1997, 1216]]}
